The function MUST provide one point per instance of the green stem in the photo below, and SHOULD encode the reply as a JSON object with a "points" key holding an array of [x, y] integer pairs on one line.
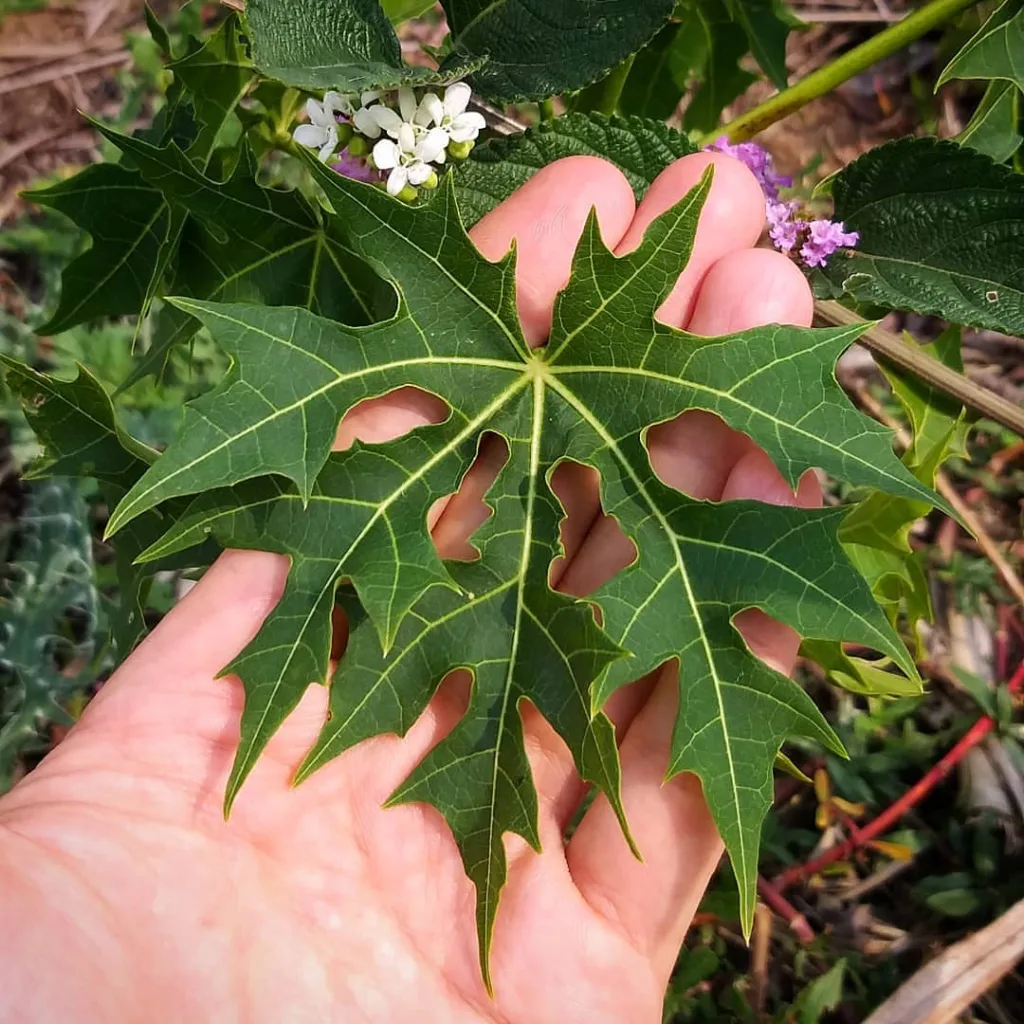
{"points": [[611, 87], [843, 68]]}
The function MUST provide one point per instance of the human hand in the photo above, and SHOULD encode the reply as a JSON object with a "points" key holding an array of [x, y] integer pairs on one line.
{"points": [[127, 897]]}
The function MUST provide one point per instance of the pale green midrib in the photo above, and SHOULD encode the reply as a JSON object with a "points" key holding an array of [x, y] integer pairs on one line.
{"points": [[656, 512], [120, 263], [524, 564], [125, 512], [340, 725], [724, 396], [502, 326], [697, 195], [381, 509]]}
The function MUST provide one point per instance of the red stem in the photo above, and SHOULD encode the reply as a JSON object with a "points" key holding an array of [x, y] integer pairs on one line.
{"points": [[970, 739], [778, 903]]}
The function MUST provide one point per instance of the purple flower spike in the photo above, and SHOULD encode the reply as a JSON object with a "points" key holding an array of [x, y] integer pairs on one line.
{"points": [[355, 167], [759, 160], [813, 241], [823, 238]]}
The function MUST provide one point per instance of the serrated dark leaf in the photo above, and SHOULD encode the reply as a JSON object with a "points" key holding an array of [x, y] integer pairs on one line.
{"points": [[608, 371], [538, 48], [640, 148], [940, 228]]}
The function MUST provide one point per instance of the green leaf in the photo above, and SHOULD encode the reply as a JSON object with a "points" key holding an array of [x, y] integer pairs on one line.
{"points": [[940, 229], [456, 334], [858, 675], [767, 24], [402, 10], [993, 128], [81, 437], [348, 45], [245, 243], [995, 51], [640, 148], [536, 50], [134, 235], [715, 44], [651, 89], [820, 996]]}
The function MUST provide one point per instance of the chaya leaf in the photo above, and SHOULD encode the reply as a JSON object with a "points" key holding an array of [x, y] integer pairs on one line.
{"points": [[345, 44], [640, 148], [940, 228], [996, 50], [243, 242], [134, 234], [607, 373], [993, 128], [81, 437], [534, 50]]}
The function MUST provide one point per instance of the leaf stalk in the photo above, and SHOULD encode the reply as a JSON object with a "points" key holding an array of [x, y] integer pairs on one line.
{"points": [[843, 68]]}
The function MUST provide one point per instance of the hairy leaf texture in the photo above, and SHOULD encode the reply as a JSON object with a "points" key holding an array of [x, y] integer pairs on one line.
{"points": [[256, 454]]}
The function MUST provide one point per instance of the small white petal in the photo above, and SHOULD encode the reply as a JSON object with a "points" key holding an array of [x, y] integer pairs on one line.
{"points": [[366, 124], [317, 114], [328, 150], [406, 137], [387, 119], [440, 158], [407, 103], [463, 134], [386, 154], [419, 172], [310, 135], [333, 102], [431, 109], [369, 97], [432, 144], [456, 98], [397, 180]]}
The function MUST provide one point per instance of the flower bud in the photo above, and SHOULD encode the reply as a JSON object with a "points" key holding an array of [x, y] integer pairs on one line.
{"points": [[408, 194], [432, 181], [358, 146], [344, 134], [460, 150]]}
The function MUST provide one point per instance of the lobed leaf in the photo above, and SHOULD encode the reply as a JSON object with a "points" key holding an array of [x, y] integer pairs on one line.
{"points": [[256, 452]]}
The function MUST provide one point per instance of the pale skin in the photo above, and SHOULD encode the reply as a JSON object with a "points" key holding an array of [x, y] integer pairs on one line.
{"points": [[126, 897]]}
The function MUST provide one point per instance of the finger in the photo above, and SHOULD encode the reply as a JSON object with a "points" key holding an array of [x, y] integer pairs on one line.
{"points": [[732, 219], [654, 901], [546, 217]]}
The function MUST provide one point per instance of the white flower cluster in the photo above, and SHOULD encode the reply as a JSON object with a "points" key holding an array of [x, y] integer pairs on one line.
{"points": [[410, 139]]}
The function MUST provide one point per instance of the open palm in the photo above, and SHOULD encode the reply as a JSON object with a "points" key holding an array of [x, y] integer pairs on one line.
{"points": [[127, 897]]}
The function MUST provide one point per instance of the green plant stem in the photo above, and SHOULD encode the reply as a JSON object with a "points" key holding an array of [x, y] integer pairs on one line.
{"points": [[843, 68], [892, 347], [611, 87]]}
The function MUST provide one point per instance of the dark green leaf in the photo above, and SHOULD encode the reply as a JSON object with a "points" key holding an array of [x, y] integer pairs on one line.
{"points": [[134, 235], [640, 148], [243, 242], [401, 10], [940, 228], [767, 24], [995, 51], [993, 128], [715, 45], [456, 334], [536, 48], [651, 90]]}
